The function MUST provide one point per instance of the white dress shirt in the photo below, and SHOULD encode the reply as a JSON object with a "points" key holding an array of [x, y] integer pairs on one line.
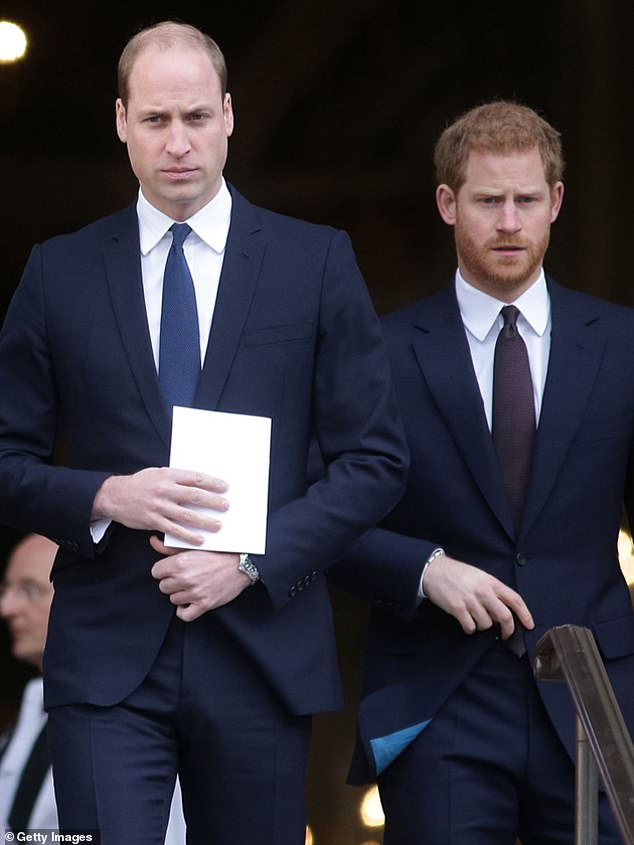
{"points": [[482, 321], [204, 252], [480, 315], [31, 719]]}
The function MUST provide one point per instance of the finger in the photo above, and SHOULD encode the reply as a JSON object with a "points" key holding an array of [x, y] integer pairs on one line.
{"points": [[506, 621], [189, 612], [159, 546], [467, 622], [169, 587], [184, 535], [200, 480], [518, 606], [180, 598], [481, 617], [525, 617], [193, 497], [199, 518]]}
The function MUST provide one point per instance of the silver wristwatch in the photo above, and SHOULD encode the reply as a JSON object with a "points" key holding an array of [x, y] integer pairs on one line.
{"points": [[247, 566]]}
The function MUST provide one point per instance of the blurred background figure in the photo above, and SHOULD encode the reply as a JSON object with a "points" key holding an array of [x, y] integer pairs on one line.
{"points": [[27, 799], [26, 782]]}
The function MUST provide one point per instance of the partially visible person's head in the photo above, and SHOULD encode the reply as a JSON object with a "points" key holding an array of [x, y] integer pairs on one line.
{"points": [[163, 36], [175, 116], [25, 596], [500, 127]]}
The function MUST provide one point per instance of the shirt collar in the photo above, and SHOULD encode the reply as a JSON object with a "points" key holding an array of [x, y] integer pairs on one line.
{"points": [[479, 310], [210, 223]]}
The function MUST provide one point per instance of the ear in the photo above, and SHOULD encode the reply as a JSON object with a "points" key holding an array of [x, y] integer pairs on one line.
{"points": [[227, 110], [122, 124], [446, 202], [556, 199]]}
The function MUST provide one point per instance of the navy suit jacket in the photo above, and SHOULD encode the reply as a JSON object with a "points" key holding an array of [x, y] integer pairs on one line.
{"points": [[294, 337], [564, 559]]}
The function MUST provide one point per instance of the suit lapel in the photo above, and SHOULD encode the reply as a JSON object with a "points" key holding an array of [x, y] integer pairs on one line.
{"points": [[122, 257], [575, 354], [444, 356], [240, 269]]}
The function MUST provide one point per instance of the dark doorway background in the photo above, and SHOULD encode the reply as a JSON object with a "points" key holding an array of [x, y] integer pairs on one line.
{"points": [[338, 104]]}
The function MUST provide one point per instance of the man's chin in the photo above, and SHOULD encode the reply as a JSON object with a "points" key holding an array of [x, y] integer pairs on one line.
{"points": [[511, 272], [22, 653]]}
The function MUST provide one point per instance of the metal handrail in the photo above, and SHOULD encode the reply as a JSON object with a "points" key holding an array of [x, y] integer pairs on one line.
{"points": [[569, 653]]}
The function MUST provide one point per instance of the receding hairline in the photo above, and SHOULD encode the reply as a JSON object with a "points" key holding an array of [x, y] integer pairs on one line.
{"points": [[164, 36]]}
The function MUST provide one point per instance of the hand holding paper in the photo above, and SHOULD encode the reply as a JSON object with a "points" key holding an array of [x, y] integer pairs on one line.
{"points": [[161, 499], [236, 448]]}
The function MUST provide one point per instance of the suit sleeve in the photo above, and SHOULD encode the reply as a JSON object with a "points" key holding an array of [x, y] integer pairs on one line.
{"points": [[357, 430], [384, 567], [35, 494]]}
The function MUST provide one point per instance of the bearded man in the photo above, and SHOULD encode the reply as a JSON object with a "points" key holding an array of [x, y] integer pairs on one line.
{"points": [[518, 401]]}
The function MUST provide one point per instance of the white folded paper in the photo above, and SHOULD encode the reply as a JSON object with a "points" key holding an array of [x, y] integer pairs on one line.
{"points": [[235, 448]]}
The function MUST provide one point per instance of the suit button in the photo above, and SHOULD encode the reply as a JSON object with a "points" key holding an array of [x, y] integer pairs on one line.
{"points": [[520, 559], [307, 580], [292, 592]]}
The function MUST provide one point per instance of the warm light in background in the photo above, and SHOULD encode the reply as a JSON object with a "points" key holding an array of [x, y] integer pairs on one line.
{"points": [[371, 810], [13, 42], [626, 556], [309, 836]]}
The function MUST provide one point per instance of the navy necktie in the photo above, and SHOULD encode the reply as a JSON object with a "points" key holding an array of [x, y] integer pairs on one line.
{"points": [[513, 412], [179, 349]]}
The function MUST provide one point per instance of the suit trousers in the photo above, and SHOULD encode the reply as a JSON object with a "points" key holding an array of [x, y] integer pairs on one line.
{"points": [[488, 769], [206, 712]]}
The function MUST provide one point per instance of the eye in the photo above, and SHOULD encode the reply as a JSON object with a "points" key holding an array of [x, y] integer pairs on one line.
{"points": [[28, 591]]}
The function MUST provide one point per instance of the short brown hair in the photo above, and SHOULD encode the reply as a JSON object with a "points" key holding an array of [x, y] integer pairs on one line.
{"points": [[498, 127], [165, 35]]}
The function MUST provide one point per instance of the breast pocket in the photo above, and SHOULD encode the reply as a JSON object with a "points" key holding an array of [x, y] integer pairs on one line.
{"points": [[279, 334]]}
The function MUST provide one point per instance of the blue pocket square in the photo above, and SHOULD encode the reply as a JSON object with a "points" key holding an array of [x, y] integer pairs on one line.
{"points": [[385, 749]]}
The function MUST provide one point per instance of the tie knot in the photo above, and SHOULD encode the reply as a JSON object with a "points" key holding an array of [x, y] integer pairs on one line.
{"points": [[510, 313], [179, 233]]}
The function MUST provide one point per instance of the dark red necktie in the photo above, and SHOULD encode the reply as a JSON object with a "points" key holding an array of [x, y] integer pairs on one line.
{"points": [[513, 412]]}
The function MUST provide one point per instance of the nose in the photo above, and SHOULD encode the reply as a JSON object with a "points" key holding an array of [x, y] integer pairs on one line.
{"points": [[509, 220], [178, 140]]}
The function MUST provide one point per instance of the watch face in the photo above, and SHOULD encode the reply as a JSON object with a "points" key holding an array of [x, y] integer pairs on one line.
{"points": [[247, 566]]}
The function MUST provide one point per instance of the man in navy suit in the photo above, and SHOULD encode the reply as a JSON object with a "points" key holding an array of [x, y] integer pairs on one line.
{"points": [[162, 661], [476, 563]]}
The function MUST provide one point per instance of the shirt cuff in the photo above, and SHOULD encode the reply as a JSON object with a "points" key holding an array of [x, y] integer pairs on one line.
{"points": [[98, 529], [421, 592]]}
